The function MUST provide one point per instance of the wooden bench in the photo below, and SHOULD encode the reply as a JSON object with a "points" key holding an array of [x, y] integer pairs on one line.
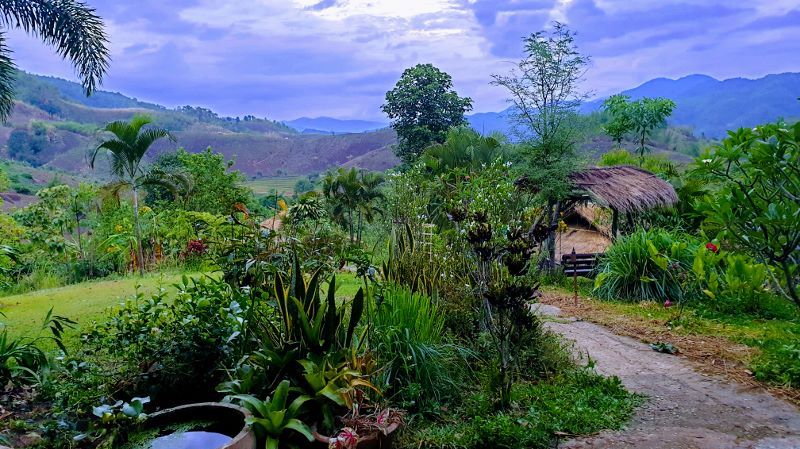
{"points": [[584, 264]]}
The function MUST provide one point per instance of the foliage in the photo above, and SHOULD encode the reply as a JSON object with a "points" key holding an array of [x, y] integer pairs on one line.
{"points": [[214, 187], [423, 106], [756, 206], [420, 369], [353, 197], [21, 358], [646, 265], [464, 151], [126, 150], [577, 402], [273, 418], [640, 117], [70, 26], [780, 364], [173, 350]]}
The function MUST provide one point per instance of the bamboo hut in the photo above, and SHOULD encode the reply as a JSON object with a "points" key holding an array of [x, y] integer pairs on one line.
{"points": [[600, 196], [623, 189]]}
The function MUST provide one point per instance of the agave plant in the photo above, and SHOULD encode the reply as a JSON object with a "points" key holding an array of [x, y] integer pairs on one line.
{"points": [[273, 419]]}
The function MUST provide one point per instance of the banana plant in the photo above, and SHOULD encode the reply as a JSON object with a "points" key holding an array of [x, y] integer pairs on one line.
{"points": [[272, 420]]}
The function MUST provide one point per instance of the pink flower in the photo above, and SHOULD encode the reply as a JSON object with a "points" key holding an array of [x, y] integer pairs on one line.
{"points": [[712, 247], [347, 439], [667, 304]]}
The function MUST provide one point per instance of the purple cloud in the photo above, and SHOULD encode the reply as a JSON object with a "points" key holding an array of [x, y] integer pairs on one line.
{"points": [[339, 57]]}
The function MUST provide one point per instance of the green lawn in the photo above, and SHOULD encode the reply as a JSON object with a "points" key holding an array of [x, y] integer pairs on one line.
{"points": [[89, 300], [80, 302], [284, 185]]}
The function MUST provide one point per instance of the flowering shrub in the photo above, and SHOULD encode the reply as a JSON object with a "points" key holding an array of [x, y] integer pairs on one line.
{"points": [[195, 247]]}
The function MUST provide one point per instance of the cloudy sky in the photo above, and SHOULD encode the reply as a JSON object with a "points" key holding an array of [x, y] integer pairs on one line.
{"points": [[288, 58]]}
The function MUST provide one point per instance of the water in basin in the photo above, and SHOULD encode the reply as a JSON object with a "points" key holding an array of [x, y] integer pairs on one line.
{"points": [[191, 440]]}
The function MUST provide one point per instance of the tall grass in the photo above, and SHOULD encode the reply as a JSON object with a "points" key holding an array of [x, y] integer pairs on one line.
{"points": [[646, 265], [420, 368]]}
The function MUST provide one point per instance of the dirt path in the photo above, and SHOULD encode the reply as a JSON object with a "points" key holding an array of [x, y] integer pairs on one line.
{"points": [[684, 409]]}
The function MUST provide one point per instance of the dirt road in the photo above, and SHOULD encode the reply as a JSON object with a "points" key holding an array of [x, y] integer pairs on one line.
{"points": [[684, 409]]}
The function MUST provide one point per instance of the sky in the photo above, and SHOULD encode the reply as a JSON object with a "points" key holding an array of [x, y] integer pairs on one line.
{"points": [[284, 59]]}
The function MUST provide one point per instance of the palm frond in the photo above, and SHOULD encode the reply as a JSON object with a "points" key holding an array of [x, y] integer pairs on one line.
{"points": [[111, 146], [7, 71], [70, 26], [147, 137]]}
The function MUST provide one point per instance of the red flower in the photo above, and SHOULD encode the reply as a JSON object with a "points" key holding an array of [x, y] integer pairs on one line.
{"points": [[195, 247], [712, 247]]}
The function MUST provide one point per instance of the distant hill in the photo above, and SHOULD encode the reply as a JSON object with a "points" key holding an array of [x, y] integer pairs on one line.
{"points": [[322, 125], [54, 126], [707, 105]]}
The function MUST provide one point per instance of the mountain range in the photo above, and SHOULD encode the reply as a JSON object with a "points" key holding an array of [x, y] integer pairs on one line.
{"points": [[55, 126], [708, 106]]}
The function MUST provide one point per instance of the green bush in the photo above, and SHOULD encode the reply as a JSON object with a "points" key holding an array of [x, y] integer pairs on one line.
{"points": [[419, 367], [646, 265], [174, 350]]}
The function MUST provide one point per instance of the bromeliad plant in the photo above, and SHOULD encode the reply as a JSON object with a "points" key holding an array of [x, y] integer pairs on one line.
{"points": [[274, 421]]}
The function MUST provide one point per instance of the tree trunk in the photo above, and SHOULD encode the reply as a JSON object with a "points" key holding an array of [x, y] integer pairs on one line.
{"points": [[791, 286], [350, 223], [138, 230], [554, 212], [78, 236], [360, 224]]}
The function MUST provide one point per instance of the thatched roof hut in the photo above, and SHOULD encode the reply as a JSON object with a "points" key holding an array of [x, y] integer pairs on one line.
{"points": [[624, 188]]}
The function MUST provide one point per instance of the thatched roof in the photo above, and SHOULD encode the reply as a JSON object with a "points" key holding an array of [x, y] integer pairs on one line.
{"points": [[624, 188]]}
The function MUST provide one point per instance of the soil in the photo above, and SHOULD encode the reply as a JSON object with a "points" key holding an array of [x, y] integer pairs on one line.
{"points": [[685, 408]]}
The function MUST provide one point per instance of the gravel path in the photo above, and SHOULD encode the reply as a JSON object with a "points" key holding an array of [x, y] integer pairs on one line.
{"points": [[684, 409]]}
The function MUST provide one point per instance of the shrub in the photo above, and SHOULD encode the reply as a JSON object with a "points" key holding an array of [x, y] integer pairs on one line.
{"points": [[172, 350], [646, 265], [420, 368]]}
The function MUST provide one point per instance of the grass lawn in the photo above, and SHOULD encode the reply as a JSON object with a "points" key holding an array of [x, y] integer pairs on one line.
{"points": [[87, 301], [284, 185], [80, 302]]}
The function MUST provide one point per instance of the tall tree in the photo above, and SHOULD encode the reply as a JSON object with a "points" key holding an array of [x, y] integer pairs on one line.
{"points": [[126, 150], [544, 89], [70, 26], [423, 106], [640, 117]]}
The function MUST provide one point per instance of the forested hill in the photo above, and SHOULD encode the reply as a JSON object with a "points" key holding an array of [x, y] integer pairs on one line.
{"points": [[708, 106], [54, 125]]}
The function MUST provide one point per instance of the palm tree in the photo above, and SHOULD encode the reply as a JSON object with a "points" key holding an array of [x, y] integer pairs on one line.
{"points": [[126, 151], [69, 25], [341, 190], [352, 193], [368, 194]]}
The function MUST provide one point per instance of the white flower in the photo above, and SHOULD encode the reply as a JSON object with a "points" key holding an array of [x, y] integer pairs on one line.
{"points": [[706, 161]]}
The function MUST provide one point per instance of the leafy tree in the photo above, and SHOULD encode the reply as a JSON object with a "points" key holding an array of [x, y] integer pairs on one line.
{"points": [[423, 106], [545, 94], [640, 117], [215, 188], [757, 206], [126, 150], [616, 106], [70, 26], [304, 185]]}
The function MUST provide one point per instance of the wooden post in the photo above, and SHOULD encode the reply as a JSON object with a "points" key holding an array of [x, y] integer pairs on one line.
{"points": [[575, 274]]}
